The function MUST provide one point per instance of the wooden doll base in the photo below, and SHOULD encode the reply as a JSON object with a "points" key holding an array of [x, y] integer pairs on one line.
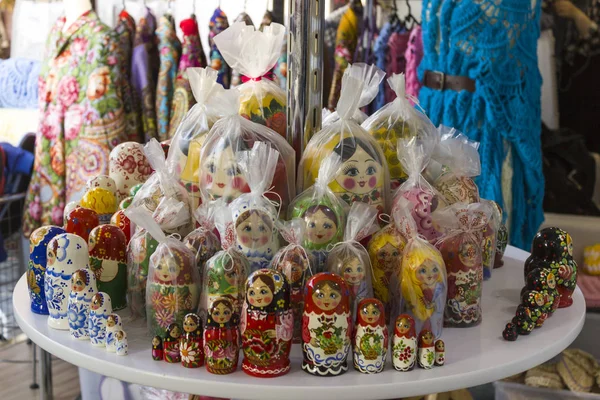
{"points": [[324, 371], [265, 372], [221, 371]]}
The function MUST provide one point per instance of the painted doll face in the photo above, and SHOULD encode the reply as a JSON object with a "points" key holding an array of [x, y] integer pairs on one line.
{"points": [[97, 302], [551, 281], [370, 313], [221, 313], [353, 272], [231, 276], [569, 245], [320, 229], [259, 294], [439, 345], [388, 257], [403, 326], [167, 269], [428, 273], [539, 299], [254, 231], [427, 338], [360, 173], [175, 332], [119, 335], [110, 321], [326, 297], [155, 341], [221, 175], [78, 281], [189, 325]]}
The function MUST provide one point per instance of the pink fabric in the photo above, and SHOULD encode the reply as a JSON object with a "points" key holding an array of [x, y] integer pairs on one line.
{"points": [[413, 55], [395, 60], [590, 286]]}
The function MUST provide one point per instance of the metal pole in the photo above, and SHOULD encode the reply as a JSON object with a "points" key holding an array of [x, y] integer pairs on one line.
{"points": [[34, 384], [46, 375]]}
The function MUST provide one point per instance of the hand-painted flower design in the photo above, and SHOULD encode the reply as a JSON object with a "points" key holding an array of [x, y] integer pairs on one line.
{"points": [[77, 317], [164, 318], [188, 352]]}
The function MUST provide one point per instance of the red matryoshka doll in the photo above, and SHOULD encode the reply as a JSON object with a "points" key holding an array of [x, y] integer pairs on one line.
{"points": [[108, 260], [191, 348], [404, 344], [370, 337], [120, 220], [267, 325], [171, 343], [426, 354], [221, 338], [326, 325], [157, 348], [81, 221]]}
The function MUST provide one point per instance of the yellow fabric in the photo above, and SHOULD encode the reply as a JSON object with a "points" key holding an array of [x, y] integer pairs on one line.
{"points": [[591, 260]]}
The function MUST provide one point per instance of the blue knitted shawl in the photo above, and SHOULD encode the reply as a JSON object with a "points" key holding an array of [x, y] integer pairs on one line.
{"points": [[493, 42]]}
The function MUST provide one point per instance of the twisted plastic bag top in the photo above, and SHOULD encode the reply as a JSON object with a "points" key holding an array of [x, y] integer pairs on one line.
{"points": [[414, 154], [361, 222], [205, 215], [404, 221], [292, 231], [327, 172], [457, 152]]}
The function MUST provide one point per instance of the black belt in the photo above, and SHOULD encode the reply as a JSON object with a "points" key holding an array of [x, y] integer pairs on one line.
{"points": [[440, 81]]}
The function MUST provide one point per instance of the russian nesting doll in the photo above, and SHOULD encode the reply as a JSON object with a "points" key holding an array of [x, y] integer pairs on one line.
{"points": [[83, 289], [171, 343], [141, 247], [525, 319], [102, 201], [81, 221], [221, 338], [67, 210], [65, 254], [326, 325], [370, 337], [122, 347], [108, 259], [103, 182], [256, 235], [157, 348], [267, 325], [510, 332], [220, 175], [36, 271], [120, 220], [404, 344], [113, 325], [488, 243], [100, 309], [424, 202], [456, 189], [543, 280], [426, 354], [204, 244], [128, 166], [539, 305], [191, 349], [440, 352]]}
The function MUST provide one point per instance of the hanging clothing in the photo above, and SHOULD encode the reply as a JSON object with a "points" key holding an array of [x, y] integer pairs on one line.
{"points": [[81, 117], [125, 30], [192, 56], [218, 23], [236, 79], [380, 50], [413, 56], [491, 47], [345, 46], [395, 60], [169, 49], [144, 72]]}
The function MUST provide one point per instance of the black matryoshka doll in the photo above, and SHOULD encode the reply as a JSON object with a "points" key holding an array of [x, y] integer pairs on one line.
{"points": [[221, 337]]}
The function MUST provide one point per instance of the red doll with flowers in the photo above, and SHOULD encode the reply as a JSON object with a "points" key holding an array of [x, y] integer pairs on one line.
{"points": [[221, 338]]}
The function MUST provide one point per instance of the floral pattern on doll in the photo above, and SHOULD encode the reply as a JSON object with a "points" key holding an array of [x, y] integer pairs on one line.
{"points": [[256, 237], [221, 338], [371, 337], [404, 345]]}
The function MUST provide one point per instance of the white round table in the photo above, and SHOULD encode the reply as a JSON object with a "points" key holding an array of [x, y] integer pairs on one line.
{"points": [[473, 355]]}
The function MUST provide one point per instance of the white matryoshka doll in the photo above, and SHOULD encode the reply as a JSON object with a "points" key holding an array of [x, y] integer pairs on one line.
{"points": [[65, 254], [326, 325], [104, 182], [426, 354], [370, 337], [83, 288], [404, 343], [253, 214], [113, 325], [128, 166], [100, 309], [122, 347]]}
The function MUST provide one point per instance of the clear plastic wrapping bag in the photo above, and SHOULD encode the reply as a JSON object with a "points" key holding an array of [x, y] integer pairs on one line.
{"points": [[141, 246], [254, 54], [322, 211], [463, 226], [203, 241], [488, 241], [398, 120], [294, 262], [220, 175], [363, 175], [371, 76], [184, 153], [414, 155], [225, 273], [253, 214], [461, 163], [423, 276], [349, 259]]}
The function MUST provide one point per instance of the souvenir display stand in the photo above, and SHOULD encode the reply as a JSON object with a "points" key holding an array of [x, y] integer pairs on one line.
{"points": [[473, 355]]}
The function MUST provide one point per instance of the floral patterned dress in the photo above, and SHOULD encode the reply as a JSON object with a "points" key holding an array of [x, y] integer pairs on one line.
{"points": [[218, 23], [169, 49], [82, 117]]}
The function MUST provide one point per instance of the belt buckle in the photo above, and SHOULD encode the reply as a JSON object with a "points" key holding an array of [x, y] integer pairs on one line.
{"points": [[442, 79]]}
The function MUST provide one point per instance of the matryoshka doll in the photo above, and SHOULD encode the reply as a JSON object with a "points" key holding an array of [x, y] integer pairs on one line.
{"points": [[322, 212], [36, 271], [83, 288], [404, 343], [102, 181], [139, 250], [171, 343], [100, 309], [65, 254], [293, 261], [543, 280], [267, 325], [426, 353], [121, 221], [349, 259], [113, 325], [68, 208], [122, 347], [81, 221], [102, 201], [440, 352], [128, 166], [203, 241], [221, 337], [488, 242], [370, 337], [326, 325], [191, 349], [157, 348], [108, 259]]}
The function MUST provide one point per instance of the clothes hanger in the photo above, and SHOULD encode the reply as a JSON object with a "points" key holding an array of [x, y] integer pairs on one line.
{"points": [[410, 17], [395, 21]]}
